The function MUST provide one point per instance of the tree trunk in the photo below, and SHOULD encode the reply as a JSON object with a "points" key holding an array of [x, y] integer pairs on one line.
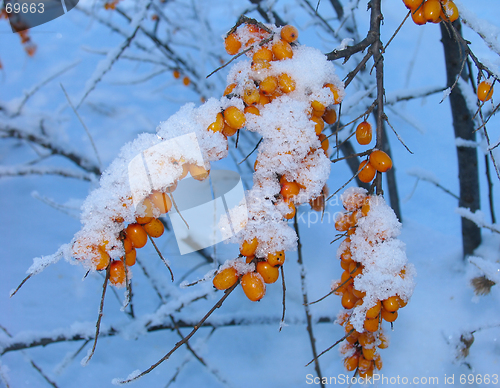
{"points": [[468, 175]]}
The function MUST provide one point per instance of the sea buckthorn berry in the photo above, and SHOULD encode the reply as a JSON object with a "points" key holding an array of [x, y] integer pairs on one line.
{"points": [[355, 216], [286, 83], [228, 131], [380, 161], [225, 279], [289, 189], [127, 244], [364, 364], [143, 220], [366, 338], [268, 85], [355, 292], [251, 95], [289, 33], [413, 4], [391, 304], [330, 116], [374, 311], [348, 300], [384, 342], [269, 273], [177, 74], [450, 10], [343, 222], [418, 16], [378, 361], [229, 89], [371, 324], [100, 258], [401, 302], [263, 54], [253, 286], [351, 363], [264, 99], [291, 212], [218, 124], [369, 353], [232, 44], [130, 258], [319, 124], [389, 316], [335, 91], [318, 204], [432, 10], [318, 108], [234, 117], [345, 265], [325, 143], [186, 81], [137, 235], [276, 259], [484, 91], [282, 50], [252, 109], [353, 337], [117, 272], [364, 133], [248, 248], [355, 269], [154, 228], [258, 65], [365, 208], [199, 173], [161, 201], [366, 374]]}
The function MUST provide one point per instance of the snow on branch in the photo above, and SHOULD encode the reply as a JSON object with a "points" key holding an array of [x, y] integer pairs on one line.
{"points": [[489, 268], [410, 94], [477, 218], [44, 170]]}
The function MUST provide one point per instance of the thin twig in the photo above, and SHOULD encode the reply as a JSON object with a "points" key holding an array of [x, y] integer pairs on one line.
{"points": [[331, 347], [251, 152], [282, 322], [161, 256]]}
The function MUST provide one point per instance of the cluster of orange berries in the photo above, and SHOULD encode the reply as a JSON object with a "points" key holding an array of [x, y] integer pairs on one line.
{"points": [[485, 90], [111, 4], [185, 80], [361, 344], [263, 86], [135, 235], [432, 11]]}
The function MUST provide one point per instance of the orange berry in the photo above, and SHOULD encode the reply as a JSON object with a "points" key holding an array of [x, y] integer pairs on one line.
{"points": [[289, 189], [177, 74], [319, 124], [366, 172], [325, 143], [130, 257], [353, 337], [234, 117], [389, 316], [154, 228], [100, 257], [348, 300], [384, 342], [343, 222], [249, 248], [364, 133], [253, 286], [355, 269], [117, 272], [380, 161], [127, 245], [374, 311], [282, 50], [268, 85], [412, 4], [161, 201], [251, 95], [432, 11], [366, 338], [263, 54], [418, 16], [186, 81], [229, 89], [391, 304], [143, 220], [330, 116], [259, 65], [366, 374], [251, 109], [218, 124], [291, 212], [401, 302], [225, 279], [371, 324], [450, 10], [264, 99], [378, 361], [269, 273], [289, 33], [335, 91], [286, 83], [199, 173], [228, 131], [232, 44], [357, 293], [276, 259], [318, 108], [363, 363], [369, 353], [484, 91], [185, 170], [137, 235], [351, 363]]}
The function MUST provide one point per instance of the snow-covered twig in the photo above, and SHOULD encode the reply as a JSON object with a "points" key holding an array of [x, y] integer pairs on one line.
{"points": [[12, 171], [477, 218]]}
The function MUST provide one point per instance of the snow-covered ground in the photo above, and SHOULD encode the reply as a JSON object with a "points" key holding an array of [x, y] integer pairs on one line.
{"points": [[57, 302]]}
